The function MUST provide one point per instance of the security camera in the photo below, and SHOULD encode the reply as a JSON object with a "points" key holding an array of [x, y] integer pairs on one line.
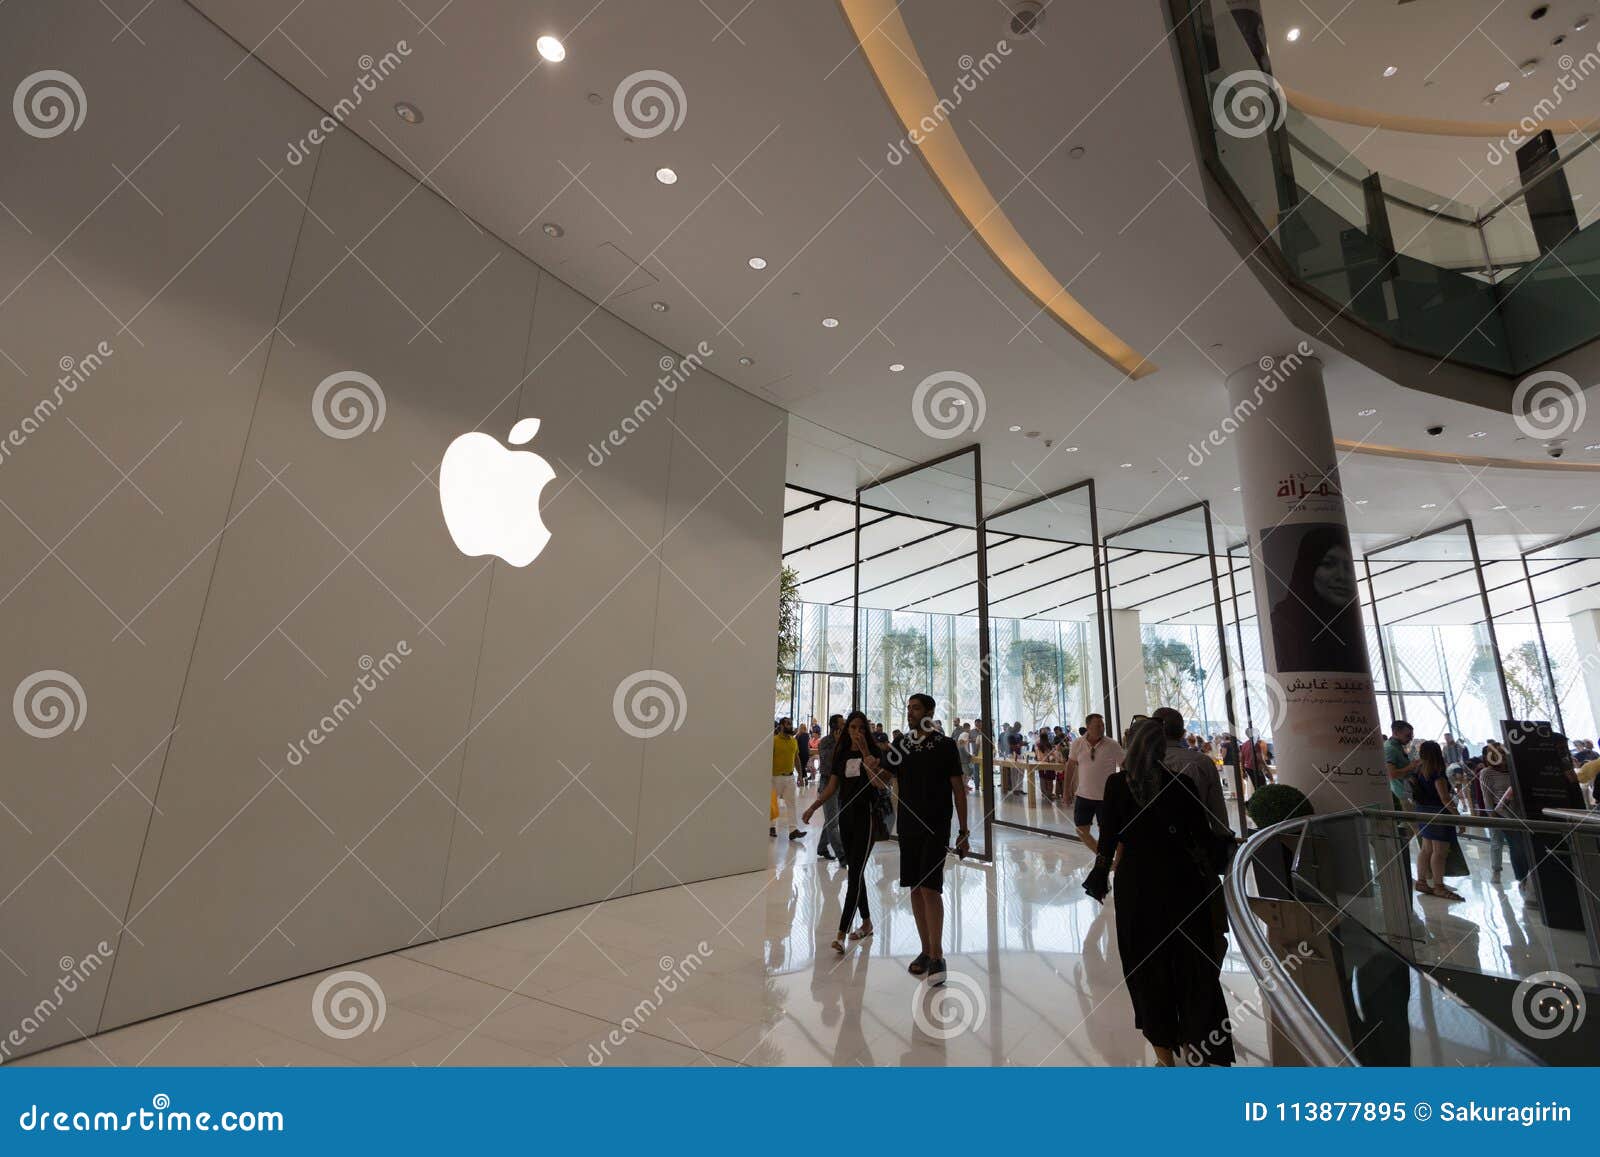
{"points": [[1025, 17], [1435, 431], [1555, 451]]}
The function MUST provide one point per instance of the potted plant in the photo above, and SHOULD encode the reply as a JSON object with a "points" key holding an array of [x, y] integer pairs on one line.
{"points": [[1274, 863]]}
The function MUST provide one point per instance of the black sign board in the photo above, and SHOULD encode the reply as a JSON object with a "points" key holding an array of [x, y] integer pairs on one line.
{"points": [[1542, 775], [1549, 203]]}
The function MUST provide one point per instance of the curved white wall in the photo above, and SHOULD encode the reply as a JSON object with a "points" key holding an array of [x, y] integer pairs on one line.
{"points": [[217, 602]]}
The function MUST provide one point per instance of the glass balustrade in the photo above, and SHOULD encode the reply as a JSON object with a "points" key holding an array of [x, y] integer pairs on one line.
{"points": [[1457, 274], [1360, 968]]}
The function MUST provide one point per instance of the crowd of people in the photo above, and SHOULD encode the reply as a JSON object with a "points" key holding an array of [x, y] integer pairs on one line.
{"points": [[1445, 776], [1149, 806]]}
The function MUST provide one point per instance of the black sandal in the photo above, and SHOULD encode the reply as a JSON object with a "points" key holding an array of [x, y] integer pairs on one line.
{"points": [[919, 965]]}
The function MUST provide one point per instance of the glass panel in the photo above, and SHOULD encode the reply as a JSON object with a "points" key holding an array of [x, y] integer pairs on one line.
{"points": [[919, 572]]}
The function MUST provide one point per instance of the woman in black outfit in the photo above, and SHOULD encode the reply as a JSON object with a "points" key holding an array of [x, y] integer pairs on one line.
{"points": [[853, 776], [1171, 925]]}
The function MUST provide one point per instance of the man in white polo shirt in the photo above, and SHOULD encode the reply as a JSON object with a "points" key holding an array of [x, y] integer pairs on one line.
{"points": [[1090, 762]]}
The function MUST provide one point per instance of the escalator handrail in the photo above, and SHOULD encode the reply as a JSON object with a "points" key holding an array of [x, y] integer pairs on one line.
{"points": [[1296, 1017]]}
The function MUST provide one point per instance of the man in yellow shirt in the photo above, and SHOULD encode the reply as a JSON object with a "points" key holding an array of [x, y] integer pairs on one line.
{"points": [[785, 758]]}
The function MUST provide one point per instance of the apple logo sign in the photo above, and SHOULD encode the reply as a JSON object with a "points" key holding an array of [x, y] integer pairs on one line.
{"points": [[490, 495]]}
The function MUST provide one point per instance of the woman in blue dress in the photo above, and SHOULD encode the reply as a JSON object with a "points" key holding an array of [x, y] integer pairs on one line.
{"points": [[1431, 792]]}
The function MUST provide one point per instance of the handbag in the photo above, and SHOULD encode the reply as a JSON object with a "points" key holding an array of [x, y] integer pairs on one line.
{"points": [[774, 804], [1098, 882]]}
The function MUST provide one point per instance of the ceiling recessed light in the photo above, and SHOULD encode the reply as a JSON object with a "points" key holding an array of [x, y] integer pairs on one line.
{"points": [[551, 49], [1593, 446], [1391, 70], [659, 306], [1580, 24], [1491, 98], [1502, 86], [408, 112], [551, 229], [1076, 152], [1292, 35], [1430, 506], [1127, 465], [830, 323], [1529, 67], [959, 401], [1361, 501], [1497, 508], [1070, 449], [1016, 429], [1183, 478], [1236, 490], [1365, 413], [747, 361], [896, 367], [1577, 508], [666, 176], [1479, 434], [1433, 208], [758, 263]]}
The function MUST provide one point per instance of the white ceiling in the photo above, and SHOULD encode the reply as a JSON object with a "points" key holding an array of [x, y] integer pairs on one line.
{"points": [[781, 154], [1449, 54]]}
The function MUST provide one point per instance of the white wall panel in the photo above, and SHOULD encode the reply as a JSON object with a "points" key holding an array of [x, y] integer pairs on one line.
{"points": [[191, 252], [704, 804], [551, 779]]}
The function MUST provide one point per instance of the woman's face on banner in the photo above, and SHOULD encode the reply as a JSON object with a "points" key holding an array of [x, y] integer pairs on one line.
{"points": [[1335, 577]]}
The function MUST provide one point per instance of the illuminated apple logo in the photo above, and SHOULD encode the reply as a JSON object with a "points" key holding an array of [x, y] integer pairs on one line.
{"points": [[490, 495]]}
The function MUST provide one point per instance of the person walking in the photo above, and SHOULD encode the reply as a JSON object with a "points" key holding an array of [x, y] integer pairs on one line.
{"points": [[1494, 779], [785, 756], [1090, 762], [931, 794], [1171, 923], [855, 770], [1196, 765], [829, 846]]}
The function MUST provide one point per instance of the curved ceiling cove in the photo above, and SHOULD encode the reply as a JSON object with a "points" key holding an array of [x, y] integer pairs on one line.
{"points": [[1316, 106], [887, 47]]}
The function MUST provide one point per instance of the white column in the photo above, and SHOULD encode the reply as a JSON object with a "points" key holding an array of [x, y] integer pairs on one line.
{"points": [[1586, 633], [1326, 731], [1127, 645]]}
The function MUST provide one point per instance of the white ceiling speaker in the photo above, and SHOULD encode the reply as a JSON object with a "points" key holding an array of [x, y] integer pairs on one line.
{"points": [[1025, 16]]}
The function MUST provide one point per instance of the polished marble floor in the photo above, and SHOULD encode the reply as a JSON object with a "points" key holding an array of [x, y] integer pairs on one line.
{"points": [[723, 972]]}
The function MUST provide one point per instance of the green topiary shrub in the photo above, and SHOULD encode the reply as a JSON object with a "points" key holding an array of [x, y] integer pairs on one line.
{"points": [[1277, 802]]}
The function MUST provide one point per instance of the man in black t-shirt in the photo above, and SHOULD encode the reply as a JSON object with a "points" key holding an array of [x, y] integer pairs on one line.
{"points": [[932, 791]]}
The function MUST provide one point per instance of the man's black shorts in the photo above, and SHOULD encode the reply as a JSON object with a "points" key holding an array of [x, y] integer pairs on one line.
{"points": [[921, 860]]}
